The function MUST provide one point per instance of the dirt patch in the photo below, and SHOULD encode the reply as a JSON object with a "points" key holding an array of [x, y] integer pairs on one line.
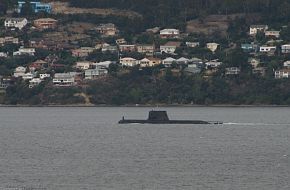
{"points": [[64, 8]]}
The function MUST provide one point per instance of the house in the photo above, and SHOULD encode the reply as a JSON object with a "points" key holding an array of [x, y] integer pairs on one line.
{"points": [[45, 23], [254, 29], [169, 33], [83, 65], [36, 6], [5, 82], [272, 33], [127, 48], [3, 54], [261, 71], [128, 61], [248, 47], [146, 49], [254, 62], [213, 64], [110, 48], [28, 75], [283, 73], [103, 64], [95, 73], [192, 70], [285, 48], [34, 82], [64, 79], [268, 49], [212, 46], [150, 62], [232, 71], [192, 44], [82, 52], [37, 65], [19, 71], [25, 51], [169, 47], [182, 61], [108, 29], [121, 41], [8, 40], [168, 61], [44, 76], [286, 64], [154, 30], [19, 23]]}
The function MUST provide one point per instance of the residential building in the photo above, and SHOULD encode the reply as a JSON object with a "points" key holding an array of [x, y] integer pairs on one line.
{"points": [[285, 48], [192, 70], [19, 23], [254, 62], [272, 33], [3, 54], [110, 48], [64, 79], [34, 82], [268, 49], [45, 23], [103, 64], [169, 33], [232, 71], [146, 49], [19, 71], [83, 65], [261, 71], [82, 52], [127, 48], [248, 47], [283, 73], [254, 29], [108, 29], [150, 62], [91, 74], [212, 46], [121, 41], [128, 61], [286, 64], [25, 51], [44, 76], [36, 6], [8, 40], [182, 61], [192, 44], [37, 65], [168, 61], [169, 47], [5, 82], [213, 64]]}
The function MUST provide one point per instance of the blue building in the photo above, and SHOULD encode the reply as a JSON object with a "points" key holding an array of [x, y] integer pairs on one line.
{"points": [[36, 6]]}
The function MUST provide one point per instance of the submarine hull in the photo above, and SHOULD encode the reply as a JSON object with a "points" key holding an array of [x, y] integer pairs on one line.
{"points": [[128, 121]]}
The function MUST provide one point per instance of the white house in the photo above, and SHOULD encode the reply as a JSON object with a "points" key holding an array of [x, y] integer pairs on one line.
{"points": [[212, 46], [168, 61], [28, 76], [103, 64], [267, 49], [232, 71], [44, 75], [94, 73], [283, 73], [255, 28], [128, 61], [272, 33], [25, 51], [83, 65], [254, 62], [285, 48], [286, 64], [182, 61], [169, 33], [19, 71], [192, 44], [15, 23], [213, 63], [64, 79], [2, 54], [34, 82], [169, 47]]}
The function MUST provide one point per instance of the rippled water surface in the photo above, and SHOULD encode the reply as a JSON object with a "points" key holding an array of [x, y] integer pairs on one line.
{"points": [[85, 148]]}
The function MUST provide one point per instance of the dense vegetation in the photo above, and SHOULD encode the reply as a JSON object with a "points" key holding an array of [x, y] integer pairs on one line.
{"points": [[172, 12]]}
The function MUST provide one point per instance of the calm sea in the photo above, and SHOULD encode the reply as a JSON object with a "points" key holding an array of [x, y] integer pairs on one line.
{"points": [[84, 148]]}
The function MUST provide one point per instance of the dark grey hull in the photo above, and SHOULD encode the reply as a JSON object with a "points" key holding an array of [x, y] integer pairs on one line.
{"points": [[128, 121]]}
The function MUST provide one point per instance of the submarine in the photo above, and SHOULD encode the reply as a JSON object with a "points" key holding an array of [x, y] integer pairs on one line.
{"points": [[161, 117]]}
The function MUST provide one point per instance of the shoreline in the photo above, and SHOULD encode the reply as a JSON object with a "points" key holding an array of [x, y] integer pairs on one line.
{"points": [[145, 106]]}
